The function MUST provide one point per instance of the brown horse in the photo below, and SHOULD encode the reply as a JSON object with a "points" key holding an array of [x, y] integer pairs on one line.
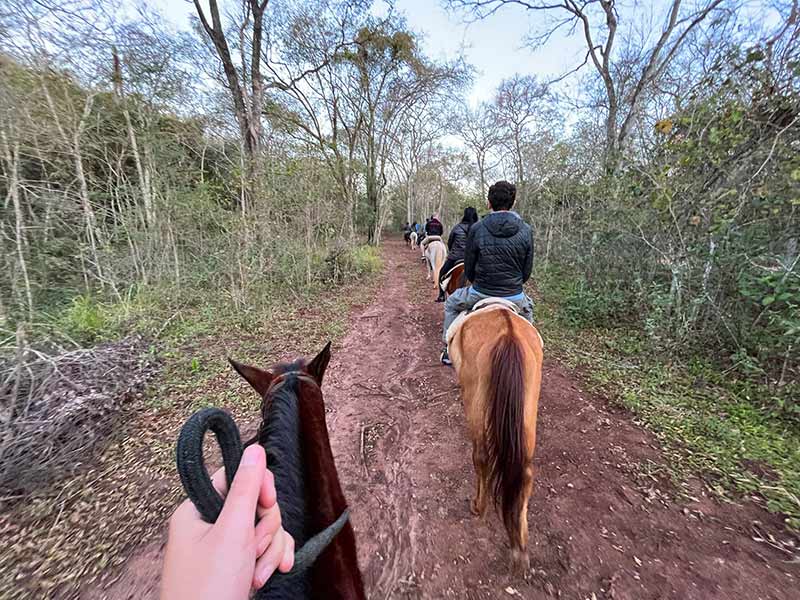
{"points": [[295, 436], [498, 357], [455, 279]]}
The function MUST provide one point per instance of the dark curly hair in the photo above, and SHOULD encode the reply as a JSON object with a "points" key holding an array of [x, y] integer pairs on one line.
{"points": [[502, 195]]}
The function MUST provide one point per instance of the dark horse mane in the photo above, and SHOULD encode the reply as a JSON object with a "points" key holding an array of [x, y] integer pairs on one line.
{"points": [[279, 434]]}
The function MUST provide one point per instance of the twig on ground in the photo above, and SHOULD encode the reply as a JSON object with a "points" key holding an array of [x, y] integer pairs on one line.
{"points": [[362, 452]]}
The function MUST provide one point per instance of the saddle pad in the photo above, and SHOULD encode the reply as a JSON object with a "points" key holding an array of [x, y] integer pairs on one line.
{"points": [[502, 302], [489, 304], [449, 275]]}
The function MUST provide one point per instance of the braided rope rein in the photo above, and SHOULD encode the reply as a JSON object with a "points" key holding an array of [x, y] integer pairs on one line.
{"points": [[197, 483]]}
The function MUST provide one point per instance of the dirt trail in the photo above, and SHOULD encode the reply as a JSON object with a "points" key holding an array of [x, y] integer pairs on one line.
{"points": [[600, 528]]}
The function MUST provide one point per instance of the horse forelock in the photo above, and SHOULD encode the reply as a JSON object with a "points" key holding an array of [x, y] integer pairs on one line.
{"points": [[288, 367]]}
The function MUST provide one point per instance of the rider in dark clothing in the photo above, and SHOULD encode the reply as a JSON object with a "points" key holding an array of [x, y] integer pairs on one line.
{"points": [[456, 244], [499, 255], [498, 260], [434, 226]]}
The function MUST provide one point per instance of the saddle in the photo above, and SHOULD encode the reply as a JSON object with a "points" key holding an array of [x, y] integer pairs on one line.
{"points": [[497, 302]]}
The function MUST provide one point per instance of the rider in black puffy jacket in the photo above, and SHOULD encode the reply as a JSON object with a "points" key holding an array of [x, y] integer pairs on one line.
{"points": [[499, 256], [498, 260]]}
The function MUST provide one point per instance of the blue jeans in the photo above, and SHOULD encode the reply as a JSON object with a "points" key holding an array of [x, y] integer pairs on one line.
{"points": [[463, 299]]}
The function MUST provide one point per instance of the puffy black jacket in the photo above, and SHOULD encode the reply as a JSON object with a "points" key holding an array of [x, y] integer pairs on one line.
{"points": [[457, 242], [499, 254], [434, 227]]}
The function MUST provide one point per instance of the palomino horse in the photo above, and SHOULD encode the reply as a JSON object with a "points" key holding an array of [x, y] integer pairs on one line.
{"points": [[454, 279], [413, 237], [435, 253], [294, 434], [498, 357]]}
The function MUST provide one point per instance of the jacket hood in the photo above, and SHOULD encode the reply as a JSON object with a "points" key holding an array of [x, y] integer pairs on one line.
{"points": [[503, 224]]}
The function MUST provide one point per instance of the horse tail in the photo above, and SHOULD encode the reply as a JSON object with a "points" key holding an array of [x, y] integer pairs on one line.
{"points": [[505, 437], [438, 262]]}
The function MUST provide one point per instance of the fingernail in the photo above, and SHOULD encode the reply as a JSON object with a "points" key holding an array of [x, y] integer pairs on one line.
{"points": [[251, 456]]}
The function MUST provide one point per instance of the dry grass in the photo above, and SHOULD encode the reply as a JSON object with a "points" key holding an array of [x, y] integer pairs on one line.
{"points": [[56, 410]]}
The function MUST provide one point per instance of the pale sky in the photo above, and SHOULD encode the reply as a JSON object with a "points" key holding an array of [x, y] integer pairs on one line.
{"points": [[493, 45]]}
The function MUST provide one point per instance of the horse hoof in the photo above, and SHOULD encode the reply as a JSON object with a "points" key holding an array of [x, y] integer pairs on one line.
{"points": [[520, 562], [475, 508]]}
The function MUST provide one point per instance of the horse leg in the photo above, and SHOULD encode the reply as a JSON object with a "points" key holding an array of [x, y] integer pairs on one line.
{"points": [[479, 460], [520, 562]]}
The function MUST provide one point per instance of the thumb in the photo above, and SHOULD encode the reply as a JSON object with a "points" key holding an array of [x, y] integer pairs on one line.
{"points": [[239, 510]]}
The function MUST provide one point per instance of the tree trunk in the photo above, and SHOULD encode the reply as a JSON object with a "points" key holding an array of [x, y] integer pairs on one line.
{"points": [[88, 212], [142, 170], [11, 157]]}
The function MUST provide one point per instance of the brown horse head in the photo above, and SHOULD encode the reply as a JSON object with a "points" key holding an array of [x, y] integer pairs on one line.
{"points": [[294, 433], [261, 380]]}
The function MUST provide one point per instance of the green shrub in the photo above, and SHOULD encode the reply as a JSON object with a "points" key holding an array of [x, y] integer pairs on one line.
{"points": [[352, 262], [85, 320], [584, 306]]}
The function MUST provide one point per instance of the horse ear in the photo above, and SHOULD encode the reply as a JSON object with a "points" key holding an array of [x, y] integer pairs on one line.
{"points": [[316, 367], [259, 380]]}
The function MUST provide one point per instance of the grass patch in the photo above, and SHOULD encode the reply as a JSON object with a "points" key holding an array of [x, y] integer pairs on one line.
{"points": [[709, 425]]}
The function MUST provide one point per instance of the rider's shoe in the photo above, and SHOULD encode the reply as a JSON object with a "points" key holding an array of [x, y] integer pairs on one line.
{"points": [[441, 297], [446, 358]]}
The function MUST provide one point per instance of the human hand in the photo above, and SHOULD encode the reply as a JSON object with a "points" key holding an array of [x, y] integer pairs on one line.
{"points": [[224, 560]]}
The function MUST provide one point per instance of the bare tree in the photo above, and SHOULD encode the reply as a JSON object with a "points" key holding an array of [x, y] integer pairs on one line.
{"points": [[350, 83], [247, 103], [414, 140], [481, 133], [520, 104], [598, 22]]}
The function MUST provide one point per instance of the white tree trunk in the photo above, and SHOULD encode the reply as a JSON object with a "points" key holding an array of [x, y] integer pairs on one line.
{"points": [[11, 157]]}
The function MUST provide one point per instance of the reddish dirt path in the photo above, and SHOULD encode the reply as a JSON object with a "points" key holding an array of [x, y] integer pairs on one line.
{"points": [[600, 528]]}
